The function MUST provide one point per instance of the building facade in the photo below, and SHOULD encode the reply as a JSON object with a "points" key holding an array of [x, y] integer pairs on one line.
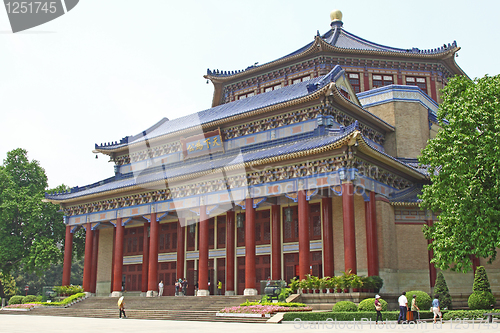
{"points": [[303, 165]]}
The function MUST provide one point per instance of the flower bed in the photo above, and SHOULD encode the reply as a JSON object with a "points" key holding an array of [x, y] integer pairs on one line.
{"points": [[263, 309], [21, 307]]}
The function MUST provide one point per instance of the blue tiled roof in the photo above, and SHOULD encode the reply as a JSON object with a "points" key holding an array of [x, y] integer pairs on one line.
{"points": [[343, 39], [216, 161], [409, 195], [223, 111]]}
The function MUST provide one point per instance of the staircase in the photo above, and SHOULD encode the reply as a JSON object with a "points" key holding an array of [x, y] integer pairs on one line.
{"points": [[156, 308]]}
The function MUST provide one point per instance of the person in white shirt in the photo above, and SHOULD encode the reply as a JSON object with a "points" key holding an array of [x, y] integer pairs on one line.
{"points": [[160, 288], [403, 307]]}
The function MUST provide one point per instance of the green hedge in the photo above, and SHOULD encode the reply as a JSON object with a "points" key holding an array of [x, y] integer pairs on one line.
{"points": [[470, 314], [16, 300], [344, 306], [347, 316], [424, 301], [481, 300], [65, 301], [30, 299], [68, 290], [291, 304], [368, 305]]}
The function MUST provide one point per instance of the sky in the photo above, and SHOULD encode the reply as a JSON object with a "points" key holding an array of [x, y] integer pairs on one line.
{"points": [[112, 68]]}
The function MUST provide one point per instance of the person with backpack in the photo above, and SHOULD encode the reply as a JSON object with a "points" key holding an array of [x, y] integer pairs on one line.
{"points": [[378, 308]]}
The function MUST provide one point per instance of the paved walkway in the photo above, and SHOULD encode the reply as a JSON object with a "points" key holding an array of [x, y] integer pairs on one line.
{"points": [[30, 324]]}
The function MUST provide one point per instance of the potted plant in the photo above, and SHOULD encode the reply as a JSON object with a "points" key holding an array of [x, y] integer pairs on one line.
{"points": [[323, 285], [302, 286], [356, 282], [294, 285]]}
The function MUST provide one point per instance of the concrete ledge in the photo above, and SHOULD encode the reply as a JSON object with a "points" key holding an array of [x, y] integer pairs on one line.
{"points": [[242, 315], [276, 319], [250, 292], [229, 293], [202, 292]]}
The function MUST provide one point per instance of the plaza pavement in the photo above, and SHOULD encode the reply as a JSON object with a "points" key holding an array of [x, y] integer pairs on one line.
{"points": [[42, 324]]}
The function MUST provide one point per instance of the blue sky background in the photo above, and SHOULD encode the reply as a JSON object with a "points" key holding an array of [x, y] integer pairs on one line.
{"points": [[111, 68]]}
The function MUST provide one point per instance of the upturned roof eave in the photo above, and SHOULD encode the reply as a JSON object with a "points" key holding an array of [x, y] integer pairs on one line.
{"points": [[314, 95], [349, 140], [314, 48]]}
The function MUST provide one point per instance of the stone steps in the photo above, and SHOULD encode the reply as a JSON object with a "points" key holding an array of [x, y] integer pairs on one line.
{"points": [[157, 308]]}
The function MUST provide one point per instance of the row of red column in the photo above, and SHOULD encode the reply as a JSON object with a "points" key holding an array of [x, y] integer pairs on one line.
{"points": [[90, 260], [151, 232]]}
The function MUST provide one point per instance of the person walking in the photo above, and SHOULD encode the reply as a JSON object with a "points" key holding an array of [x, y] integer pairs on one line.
{"points": [[414, 308], [403, 307], [185, 286], [177, 288], [121, 307], [378, 308], [436, 308], [160, 288], [219, 287]]}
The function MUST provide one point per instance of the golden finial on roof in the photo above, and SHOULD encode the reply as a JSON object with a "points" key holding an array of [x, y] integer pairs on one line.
{"points": [[336, 15]]}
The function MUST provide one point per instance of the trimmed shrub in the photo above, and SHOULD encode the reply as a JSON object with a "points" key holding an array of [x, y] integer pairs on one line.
{"points": [[481, 282], [424, 301], [378, 282], [441, 288], [462, 314], [30, 299], [16, 300], [347, 316], [481, 300], [344, 306], [68, 290], [368, 305]]}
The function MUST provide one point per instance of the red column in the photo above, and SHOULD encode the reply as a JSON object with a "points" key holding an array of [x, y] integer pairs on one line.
{"points": [[371, 235], [95, 248], [276, 243], [349, 228], [145, 259], [430, 254], [326, 212], [303, 235], [180, 248], [87, 265], [230, 251], [118, 257], [153, 254], [68, 251], [203, 251], [249, 246]]}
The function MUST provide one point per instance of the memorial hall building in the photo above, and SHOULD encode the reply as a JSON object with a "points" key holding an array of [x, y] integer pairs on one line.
{"points": [[303, 165]]}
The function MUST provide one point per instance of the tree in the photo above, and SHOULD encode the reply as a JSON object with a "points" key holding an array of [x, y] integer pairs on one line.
{"points": [[441, 288], [31, 231], [481, 297], [464, 164], [481, 282]]}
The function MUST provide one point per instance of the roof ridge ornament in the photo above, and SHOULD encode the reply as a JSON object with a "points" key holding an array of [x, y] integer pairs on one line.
{"points": [[336, 17]]}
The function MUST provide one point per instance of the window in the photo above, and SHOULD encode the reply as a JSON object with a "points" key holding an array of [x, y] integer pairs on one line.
{"points": [[275, 87], [381, 80], [243, 96], [301, 79], [354, 81], [417, 81]]}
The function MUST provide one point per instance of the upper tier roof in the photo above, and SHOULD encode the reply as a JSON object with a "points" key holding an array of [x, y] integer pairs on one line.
{"points": [[228, 111], [343, 41]]}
